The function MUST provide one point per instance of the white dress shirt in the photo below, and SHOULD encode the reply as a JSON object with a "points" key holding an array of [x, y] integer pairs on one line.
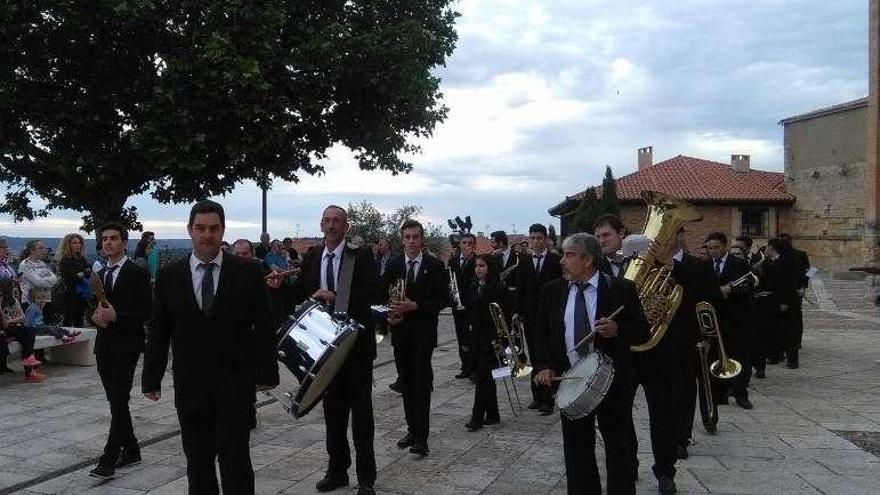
{"points": [[198, 274], [505, 255], [416, 267], [720, 269], [337, 258], [592, 293], [678, 255], [539, 262], [118, 269]]}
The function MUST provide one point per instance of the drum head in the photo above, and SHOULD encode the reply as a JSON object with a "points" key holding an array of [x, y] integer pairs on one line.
{"points": [[312, 388]]}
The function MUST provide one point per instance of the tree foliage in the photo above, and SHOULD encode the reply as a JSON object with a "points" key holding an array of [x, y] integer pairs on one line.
{"points": [[101, 101], [369, 223], [609, 202], [587, 212]]}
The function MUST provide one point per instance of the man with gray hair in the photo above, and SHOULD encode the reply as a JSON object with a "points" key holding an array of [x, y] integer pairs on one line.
{"points": [[571, 309]]}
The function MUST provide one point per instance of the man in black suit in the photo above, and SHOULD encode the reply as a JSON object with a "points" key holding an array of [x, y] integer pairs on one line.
{"points": [[213, 309], [803, 266], [569, 309], [507, 260], [343, 277], [733, 315], [463, 268], [413, 329], [651, 369], [119, 344], [536, 269]]}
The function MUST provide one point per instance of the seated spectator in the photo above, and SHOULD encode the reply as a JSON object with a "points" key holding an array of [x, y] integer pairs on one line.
{"points": [[13, 328], [33, 317], [277, 258], [34, 272]]}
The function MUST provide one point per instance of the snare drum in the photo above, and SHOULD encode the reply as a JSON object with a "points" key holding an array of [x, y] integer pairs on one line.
{"points": [[313, 345], [584, 385]]}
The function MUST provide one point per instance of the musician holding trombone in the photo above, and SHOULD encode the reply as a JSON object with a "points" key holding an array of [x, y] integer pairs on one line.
{"points": [[569, 310], [483, 291]]}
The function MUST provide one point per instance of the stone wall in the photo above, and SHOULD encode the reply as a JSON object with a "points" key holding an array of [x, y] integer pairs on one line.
{"points": [[825, 171]]}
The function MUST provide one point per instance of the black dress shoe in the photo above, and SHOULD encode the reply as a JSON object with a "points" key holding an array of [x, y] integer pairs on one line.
{"points": [[128, 459], [681, 452], [744, 403], [666, 485], [792, 365], [773, 361], [419, 448], [463, 374], [533, 405], [102, 471], [406, 441], [473, 425], [723, 401], [366, 490], [710, 429], [760, 374], [545, 410], [331, 482], [395, 386], [491, 421]]}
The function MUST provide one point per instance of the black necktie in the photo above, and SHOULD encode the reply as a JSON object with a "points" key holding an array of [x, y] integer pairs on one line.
{"points": [[207, 287], [538, 261], [329, 279], [108, 279], [581, 319], [718, 267], [410, 274]]}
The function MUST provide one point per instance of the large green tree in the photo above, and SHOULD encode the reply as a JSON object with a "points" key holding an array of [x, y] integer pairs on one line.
{"points": [[371, 224], [609, 202], [103, 100]]}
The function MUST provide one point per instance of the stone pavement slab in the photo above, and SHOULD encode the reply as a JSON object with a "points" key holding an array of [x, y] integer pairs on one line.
{"points": [[787, 445]]}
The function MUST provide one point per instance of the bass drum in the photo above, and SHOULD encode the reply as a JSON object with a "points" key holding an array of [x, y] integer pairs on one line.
{"points": [[313, 345], [584, 385]]}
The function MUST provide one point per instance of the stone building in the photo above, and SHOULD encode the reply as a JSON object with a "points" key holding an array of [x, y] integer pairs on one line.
{"points": [[825, 169], [733, 198]]}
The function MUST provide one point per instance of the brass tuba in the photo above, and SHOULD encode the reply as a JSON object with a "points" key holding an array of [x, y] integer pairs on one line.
{"points": [[396, 294], [659, 294]]}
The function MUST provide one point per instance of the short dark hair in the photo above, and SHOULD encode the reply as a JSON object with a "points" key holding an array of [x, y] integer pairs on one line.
{"points": [[250, 244], [610, 220], [467, 235], [206, 206], [717, 236], [537, 228], [781, 245], [500, 236], [410, 223], [123, 232], [287, 239], [783, 235], [146, 234], [745, 240]]}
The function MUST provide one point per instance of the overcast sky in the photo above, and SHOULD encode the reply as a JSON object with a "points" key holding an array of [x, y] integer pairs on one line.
{"points": [[543, 94]]}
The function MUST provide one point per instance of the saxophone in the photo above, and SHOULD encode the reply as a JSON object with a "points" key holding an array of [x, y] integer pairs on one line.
{"points": [[659, 294]]}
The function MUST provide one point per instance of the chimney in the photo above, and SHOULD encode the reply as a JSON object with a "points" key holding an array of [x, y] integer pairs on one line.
{"points": [[646, 157], [739, 163]]}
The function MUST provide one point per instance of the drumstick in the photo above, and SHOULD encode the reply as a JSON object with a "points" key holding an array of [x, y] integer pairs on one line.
{"points": [[560, 378], [593, 333]]}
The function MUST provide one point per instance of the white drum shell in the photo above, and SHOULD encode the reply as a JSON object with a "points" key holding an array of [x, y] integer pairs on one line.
{"points": [[584, 385]]}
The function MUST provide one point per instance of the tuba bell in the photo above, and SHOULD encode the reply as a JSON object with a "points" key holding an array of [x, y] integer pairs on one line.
{"points": [[659, 294]]}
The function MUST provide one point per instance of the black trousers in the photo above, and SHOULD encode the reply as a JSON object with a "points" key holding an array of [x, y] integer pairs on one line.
{"points": [[659, 390], [614, 416], [413, 355], [350, 393], [117, 375], [708, 408], [24, 336], [684, 369], [541, 394], [463, 335], [222, 436], [766, 328], [74, 309], [737, 344], [485, 395]]}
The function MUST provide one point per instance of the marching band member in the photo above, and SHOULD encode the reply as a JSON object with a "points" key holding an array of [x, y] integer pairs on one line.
{"points": [[212, 293], [336, 274], [568, 311], [482, 291], [733, 313], [463, 267], [507, 261], [784, 275], [803, 265], [651, 371], [536, 268], [414, 326]]}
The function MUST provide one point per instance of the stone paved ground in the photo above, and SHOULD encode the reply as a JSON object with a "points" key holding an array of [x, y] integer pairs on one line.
{"points": [[50, 432]]}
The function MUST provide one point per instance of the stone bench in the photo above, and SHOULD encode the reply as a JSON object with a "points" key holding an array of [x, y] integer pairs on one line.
{"points": [[80, 352]]}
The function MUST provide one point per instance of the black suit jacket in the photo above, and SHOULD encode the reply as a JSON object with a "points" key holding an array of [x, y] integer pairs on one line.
{"points": [[220, 358], [131, 298], [733, 310], [550, 349], [463, 275], [697, 278], [430, 291], [365, 290], [529, 281], [803, 262]]}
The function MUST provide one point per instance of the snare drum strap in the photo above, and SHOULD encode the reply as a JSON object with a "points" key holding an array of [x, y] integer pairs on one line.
{"points": [[343, 283]]}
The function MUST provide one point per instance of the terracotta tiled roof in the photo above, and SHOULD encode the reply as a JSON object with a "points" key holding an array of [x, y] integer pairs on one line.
{"points": [[698, 181]]}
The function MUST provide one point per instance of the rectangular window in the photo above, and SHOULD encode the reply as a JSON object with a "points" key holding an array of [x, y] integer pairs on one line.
{"points": [[755, 222]]}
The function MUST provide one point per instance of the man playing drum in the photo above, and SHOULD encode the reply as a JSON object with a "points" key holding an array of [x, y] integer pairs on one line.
{"points": [[570, 309]]}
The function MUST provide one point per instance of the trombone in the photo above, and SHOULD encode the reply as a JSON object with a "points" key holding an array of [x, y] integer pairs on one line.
{"points": [[726, 367], [509, 355]]}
